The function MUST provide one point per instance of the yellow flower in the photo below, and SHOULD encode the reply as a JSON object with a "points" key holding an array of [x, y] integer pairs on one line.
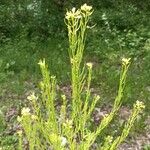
{"points": [[32, 97], [63, 97], [19, 119], [73, 10], [139, 105], [19, 132], [97, 97], [126, 61], [63, 141], [54, 138], [34, 117], [86, 8], [68, 123], [53, 77], [25, 111], [42, 63], [73, 14], [68, 15], [89, 65]]}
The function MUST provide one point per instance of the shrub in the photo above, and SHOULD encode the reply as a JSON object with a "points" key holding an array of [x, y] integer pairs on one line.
{"points": [[46, 127]]}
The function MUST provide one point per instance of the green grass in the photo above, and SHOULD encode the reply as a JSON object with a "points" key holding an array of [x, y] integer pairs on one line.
{"points": [[146, 147]]}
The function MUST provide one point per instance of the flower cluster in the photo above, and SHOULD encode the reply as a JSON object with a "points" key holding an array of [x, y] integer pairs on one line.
{"points": [[85, 7], [63, 141], [125, 61], [77, 14], [89, 65], [19, 132], [25, 111], [68, 123], [42, 63], [32, 97], [63, 97], [73, 14], [139, 105]]}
